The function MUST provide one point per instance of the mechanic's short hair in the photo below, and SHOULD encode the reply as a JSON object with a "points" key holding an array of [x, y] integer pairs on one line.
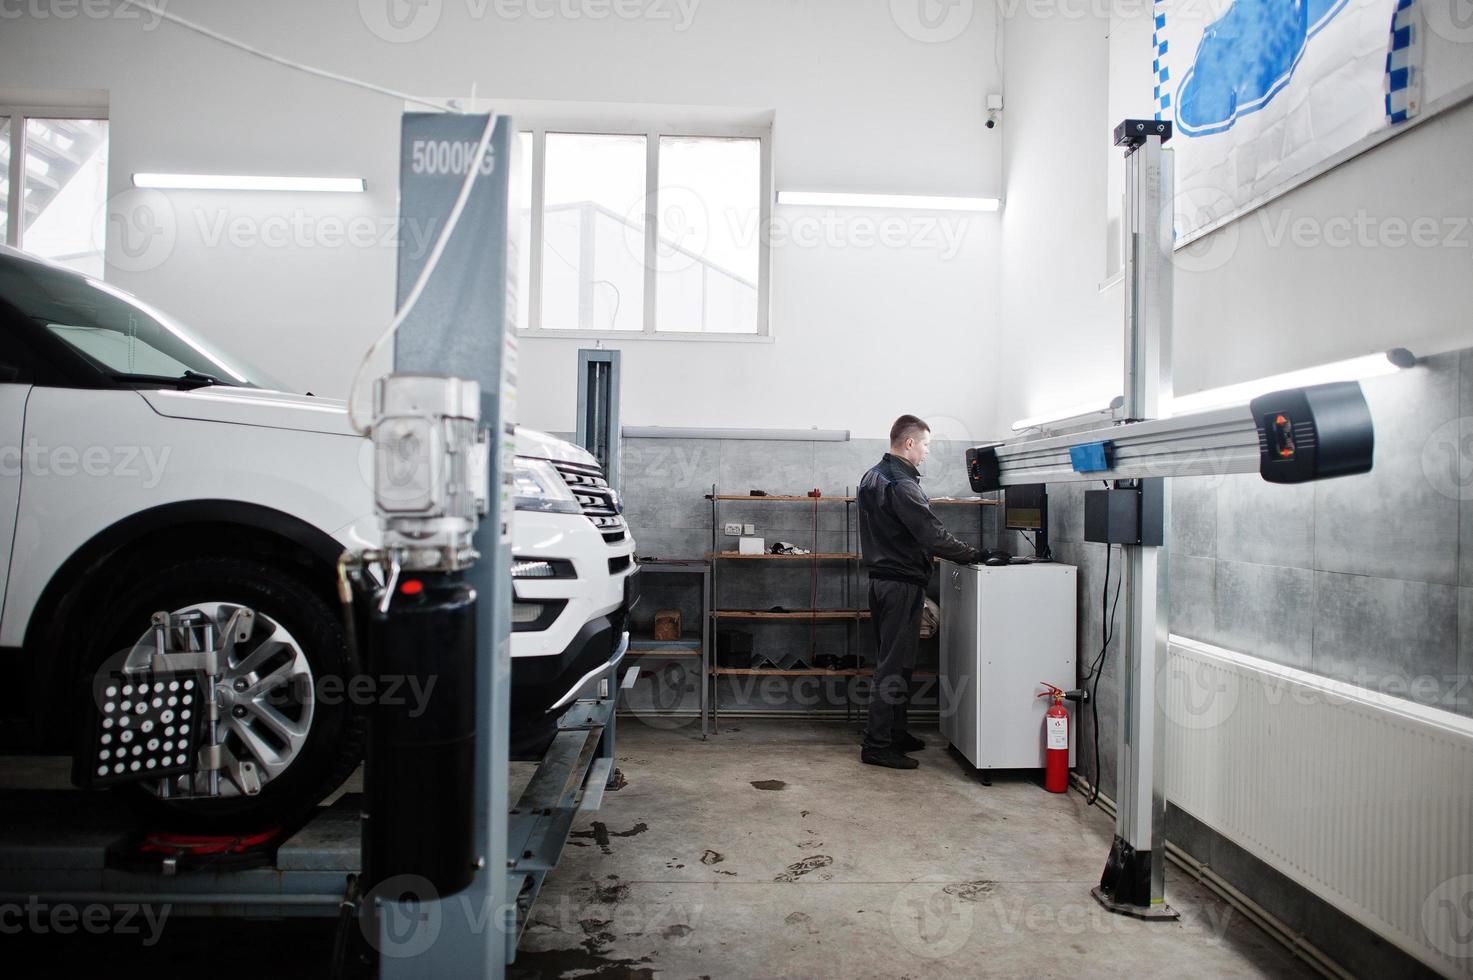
{"points": [[907, 427]]}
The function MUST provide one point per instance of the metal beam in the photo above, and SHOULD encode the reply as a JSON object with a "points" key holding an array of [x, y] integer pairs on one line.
{"points": [[1205, 444]]}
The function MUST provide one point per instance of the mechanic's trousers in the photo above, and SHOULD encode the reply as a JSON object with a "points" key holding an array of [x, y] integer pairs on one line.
{"points": [[895, 611]]}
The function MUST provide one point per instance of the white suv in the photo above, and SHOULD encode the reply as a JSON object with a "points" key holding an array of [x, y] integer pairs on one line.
{"points": [[143, 471]]}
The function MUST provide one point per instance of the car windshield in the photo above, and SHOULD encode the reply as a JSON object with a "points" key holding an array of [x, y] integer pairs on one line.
{"points": [[117, 333]]}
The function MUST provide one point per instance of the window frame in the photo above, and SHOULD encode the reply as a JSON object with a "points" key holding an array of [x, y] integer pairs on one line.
{"points": [[539, 127], [17, 115]]}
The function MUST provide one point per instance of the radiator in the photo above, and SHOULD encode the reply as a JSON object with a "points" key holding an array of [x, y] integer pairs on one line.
{"points": [[1364, 799]]}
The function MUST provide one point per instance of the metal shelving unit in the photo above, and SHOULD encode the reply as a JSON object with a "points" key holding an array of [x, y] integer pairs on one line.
{"points": [[848, 615], [688, 646]]}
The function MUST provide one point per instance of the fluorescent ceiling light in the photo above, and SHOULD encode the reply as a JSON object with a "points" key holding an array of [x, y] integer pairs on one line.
{"points": [[765, 435], [917, 202], [1354, 369], [249, 182], [1083, 411]]}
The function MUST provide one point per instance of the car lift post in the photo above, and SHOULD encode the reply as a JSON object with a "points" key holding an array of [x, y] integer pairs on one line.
{"points": [[460, 328], [598, 410], [1291, 436], [1137, 857]]}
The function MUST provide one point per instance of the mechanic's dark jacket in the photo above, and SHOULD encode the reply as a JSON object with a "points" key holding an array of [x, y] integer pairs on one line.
{"points": [[898, 534]]}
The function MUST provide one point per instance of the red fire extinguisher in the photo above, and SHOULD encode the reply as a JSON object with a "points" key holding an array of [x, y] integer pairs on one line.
{"points": [[1056, 741]]}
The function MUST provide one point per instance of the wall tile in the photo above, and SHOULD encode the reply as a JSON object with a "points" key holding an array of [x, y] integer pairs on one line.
{"points": [[1265, 523], [1394, 522], [666, 480], [839, 465], [1194, 515], [1387, 635], [1464, 703], [669, 542], [1264, 610], [945, 471], [1193, 588], [778, 467], [1065, 511], [1462, 459]]}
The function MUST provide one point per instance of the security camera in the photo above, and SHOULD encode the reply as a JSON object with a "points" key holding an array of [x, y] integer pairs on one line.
{"points": [[994, 106]]}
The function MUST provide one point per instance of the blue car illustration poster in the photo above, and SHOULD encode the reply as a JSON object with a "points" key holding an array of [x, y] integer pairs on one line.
{"points": [[1260, 91]]}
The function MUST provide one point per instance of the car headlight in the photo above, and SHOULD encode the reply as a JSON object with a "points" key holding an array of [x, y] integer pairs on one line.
{"points": [[539, 487]]}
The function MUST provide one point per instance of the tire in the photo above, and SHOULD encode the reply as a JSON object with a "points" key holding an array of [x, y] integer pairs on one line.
{"points": [[326, 743]]}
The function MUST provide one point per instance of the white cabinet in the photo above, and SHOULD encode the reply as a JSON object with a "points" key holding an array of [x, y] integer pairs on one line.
{"points": [[1003, 630]]}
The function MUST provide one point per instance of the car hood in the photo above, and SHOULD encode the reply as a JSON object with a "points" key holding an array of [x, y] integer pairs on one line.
{"points": [[541, 445], [305, 413], [254, 406]]}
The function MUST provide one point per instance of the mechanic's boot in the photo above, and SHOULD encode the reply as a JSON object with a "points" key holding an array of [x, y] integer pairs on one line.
{"points": [[905, 742], [890, 758]]}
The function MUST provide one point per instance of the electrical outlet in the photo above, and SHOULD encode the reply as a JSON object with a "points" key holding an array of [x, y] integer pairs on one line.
{"points": [[750, 529], [733, 529]]}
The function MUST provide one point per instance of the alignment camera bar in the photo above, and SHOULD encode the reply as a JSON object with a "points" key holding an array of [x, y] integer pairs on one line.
{"points": [[1291, 436]]}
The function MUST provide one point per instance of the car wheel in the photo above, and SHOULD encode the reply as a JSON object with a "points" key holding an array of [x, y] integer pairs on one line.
{"points": [[291, 744]]}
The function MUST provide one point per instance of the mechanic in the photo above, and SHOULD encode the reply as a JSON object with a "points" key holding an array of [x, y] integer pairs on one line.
{"points": [[898, 535]]}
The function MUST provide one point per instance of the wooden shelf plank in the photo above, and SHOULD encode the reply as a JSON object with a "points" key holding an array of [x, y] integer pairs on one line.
{"points": [[761, 672], [792, 614], [950, 501], [776, 496], [819, 555]]}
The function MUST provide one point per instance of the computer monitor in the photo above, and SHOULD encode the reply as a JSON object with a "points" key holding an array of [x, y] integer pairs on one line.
{"points": [[1025, 508]]}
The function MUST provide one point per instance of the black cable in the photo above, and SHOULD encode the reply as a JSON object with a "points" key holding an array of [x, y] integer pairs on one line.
{"points": [[1097, 668], [342, 945], [1048, 550]]}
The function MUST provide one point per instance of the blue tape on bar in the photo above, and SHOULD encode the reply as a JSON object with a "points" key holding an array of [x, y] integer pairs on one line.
{"points": [[1094, 457]]}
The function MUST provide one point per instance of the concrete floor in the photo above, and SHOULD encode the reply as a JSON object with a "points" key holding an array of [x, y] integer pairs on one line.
{"points": [[770, 851]]}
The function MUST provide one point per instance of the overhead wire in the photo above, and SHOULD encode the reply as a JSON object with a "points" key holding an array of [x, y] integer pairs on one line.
{"points": [[472, 168]]}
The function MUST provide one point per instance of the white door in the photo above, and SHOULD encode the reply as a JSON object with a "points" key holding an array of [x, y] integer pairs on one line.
{"points": [[12, 426]]}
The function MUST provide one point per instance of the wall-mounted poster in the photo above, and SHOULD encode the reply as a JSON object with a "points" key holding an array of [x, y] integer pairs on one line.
{"points": [[1261, 91]]}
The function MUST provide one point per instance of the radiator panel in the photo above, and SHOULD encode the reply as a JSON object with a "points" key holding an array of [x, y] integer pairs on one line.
{"points": [[1364, 799]]}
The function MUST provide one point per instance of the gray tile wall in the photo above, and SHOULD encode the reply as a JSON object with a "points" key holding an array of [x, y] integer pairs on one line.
{"points": [[665, 483], [1365, 579]]}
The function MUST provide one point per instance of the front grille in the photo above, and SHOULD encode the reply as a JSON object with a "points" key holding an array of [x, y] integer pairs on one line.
{"points": [[599, 502]]}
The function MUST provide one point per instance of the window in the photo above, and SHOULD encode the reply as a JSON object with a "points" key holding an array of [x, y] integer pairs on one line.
{"points": [[643, 233], [54, 184]]}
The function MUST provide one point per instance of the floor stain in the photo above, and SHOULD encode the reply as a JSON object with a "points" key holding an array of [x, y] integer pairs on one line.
{"points": [[578, 961], [769, 784], [610, 894], [677, 931], [804, 920], [803, 867], [731, 873], [601, 834], [809, 845], [804, 813], [712, 857], [970, 891]]}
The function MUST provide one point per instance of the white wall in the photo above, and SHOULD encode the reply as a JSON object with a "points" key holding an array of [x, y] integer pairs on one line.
{"points": [[860, 104], [1061, 337], [1250, 300]]}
